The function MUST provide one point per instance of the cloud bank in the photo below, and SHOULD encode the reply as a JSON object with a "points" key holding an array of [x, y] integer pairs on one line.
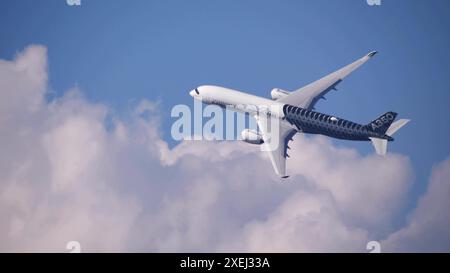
{"points": [[71, 170]]}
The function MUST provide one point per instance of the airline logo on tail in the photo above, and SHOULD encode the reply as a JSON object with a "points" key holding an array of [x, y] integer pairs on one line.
{"points": [[383, 122]]}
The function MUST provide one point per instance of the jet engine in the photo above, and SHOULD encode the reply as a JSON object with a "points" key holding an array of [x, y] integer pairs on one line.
{"points": [[252, 137], [278, 93]]}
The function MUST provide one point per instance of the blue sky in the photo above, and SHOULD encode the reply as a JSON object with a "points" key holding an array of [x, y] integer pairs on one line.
{"points": [[119, 52]]}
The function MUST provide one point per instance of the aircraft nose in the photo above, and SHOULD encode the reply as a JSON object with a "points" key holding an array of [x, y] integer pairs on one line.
{"points": [[194, 92]]}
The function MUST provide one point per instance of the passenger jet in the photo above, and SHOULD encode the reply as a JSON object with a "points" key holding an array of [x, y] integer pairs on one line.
{"points": [[293, 112]]}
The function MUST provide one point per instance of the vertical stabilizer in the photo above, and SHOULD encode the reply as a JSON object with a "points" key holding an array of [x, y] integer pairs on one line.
{"points": [[382, 123]]}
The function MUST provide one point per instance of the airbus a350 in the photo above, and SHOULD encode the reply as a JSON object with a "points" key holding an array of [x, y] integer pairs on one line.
{"points": [[294, 113]]}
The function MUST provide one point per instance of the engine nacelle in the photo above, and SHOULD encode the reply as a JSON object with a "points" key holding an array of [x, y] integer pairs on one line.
{"points": [[278, 93], [252, 137]]}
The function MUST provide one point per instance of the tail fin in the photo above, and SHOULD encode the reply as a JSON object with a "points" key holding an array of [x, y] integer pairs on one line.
{"points": [[381, 124], [380, 144]]}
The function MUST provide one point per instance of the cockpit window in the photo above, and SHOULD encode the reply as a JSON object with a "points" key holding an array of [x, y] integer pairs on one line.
{"points": [[196, 91]]}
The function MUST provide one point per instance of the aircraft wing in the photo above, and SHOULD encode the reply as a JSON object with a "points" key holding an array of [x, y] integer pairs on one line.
{"points": [[306, 97], [275, 142]]}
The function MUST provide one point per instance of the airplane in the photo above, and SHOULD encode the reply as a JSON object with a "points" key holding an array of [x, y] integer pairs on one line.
{"points": [[294, 113]]}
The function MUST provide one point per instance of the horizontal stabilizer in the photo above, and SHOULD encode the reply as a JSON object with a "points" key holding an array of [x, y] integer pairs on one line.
{"points": [[396, 126], [380, 145]]}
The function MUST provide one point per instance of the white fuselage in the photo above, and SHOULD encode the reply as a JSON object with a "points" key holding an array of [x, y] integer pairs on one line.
{"points": [[299, 119], [237, 101]]}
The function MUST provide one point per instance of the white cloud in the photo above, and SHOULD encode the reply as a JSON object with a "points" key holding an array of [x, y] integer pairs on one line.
{"points": [[429, 227], [306, 222], [369, 190], [64, 176]]}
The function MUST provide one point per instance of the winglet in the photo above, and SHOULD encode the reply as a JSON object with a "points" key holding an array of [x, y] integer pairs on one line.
{"points": [[371, 54]]}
